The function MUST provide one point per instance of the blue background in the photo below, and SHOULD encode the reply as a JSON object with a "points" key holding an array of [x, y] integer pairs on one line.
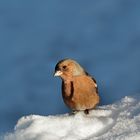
{"points": [[103, 36]]}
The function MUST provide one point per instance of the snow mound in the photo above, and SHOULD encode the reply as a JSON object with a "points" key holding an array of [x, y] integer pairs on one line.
{"points": [[117, 121]]}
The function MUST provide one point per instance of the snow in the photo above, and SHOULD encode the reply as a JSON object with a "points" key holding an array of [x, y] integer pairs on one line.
{"points": [[118, 121]]}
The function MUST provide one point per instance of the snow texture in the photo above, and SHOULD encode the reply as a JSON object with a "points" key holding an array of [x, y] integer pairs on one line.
{"points": [[117, 121]]}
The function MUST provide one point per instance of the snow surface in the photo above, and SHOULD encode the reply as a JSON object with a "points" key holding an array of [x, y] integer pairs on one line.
{"points": [[117, 121]]}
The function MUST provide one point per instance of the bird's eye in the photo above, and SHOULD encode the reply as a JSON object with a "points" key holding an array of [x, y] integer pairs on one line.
{"points": [[64, 67]]}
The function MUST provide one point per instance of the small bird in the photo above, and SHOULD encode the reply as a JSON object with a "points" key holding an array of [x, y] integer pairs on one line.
{"points": [[79, 89]]}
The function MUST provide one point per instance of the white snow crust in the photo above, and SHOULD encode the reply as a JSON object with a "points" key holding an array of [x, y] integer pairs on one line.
{"points": [[118, 121]]}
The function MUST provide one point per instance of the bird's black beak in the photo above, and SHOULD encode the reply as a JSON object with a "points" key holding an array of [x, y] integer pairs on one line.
{"points": [[58, 73]]}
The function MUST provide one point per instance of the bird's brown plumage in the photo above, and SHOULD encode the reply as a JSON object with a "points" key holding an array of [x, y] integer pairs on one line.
{"points": [[79, 89]]}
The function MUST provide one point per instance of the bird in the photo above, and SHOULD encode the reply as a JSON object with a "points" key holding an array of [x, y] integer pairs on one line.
{"points": [[79, 89]]}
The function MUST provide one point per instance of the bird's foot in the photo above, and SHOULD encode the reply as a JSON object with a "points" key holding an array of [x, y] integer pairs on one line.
{"points": [[73, 112], [86, 111]]}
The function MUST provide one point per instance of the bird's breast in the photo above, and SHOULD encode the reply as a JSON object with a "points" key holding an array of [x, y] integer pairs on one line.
{"points": [[67, 90]]}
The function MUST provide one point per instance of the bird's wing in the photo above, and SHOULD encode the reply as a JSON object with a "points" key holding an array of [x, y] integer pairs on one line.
{"points": [[95, 83]]}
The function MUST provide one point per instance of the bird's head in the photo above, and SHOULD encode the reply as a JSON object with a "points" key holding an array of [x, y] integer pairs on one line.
{"points": [[67, 68]]}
